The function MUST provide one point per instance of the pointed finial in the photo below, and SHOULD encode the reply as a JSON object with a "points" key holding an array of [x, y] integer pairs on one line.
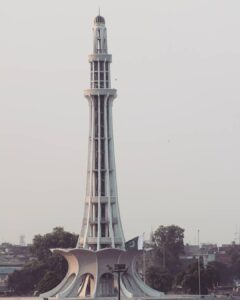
{"points": [[99, 11]]}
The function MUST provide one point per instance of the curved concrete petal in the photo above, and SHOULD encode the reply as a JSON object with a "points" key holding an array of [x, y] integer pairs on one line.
{"points": [[90, 275]]}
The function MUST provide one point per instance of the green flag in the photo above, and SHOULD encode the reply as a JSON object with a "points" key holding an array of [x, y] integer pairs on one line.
{"points": [[135, 243]]}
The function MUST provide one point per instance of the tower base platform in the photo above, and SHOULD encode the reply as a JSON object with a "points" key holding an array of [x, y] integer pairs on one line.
{"points": [[90, 276], [165, 297]]}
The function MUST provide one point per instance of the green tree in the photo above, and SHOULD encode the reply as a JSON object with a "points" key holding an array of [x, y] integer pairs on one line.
{"points": [[24, 282], [218, 274], [48, 269], [169, 245], [189, 279], [58, 238], [213, 274], [159, 279], [163, 262], [234, 253]]}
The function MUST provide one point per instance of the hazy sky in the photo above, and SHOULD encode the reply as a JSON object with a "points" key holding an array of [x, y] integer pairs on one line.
{"points": [[176, 65]]}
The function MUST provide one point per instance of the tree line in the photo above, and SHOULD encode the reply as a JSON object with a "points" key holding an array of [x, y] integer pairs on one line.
{"points": [[47, 269], [165, 271]]}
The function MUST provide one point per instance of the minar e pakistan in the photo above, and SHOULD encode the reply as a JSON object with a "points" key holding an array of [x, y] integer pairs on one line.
{"points": [[102, 264]]}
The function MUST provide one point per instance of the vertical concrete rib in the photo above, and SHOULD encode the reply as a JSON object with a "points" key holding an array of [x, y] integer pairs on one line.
{"points": [[90, 170], [107, 154], [99, 175], [114, 177]]}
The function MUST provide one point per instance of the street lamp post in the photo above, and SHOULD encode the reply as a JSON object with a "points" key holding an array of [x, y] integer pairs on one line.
{"points": [[119, 268]]}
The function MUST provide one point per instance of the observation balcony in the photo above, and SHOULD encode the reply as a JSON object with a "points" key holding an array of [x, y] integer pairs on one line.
{"points": [[100, 57], [101, 91], [103, 199], [103, 240]]}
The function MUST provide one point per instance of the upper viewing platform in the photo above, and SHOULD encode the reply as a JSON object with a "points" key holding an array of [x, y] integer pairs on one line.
{"points": [[99, 36], [100, 59]]}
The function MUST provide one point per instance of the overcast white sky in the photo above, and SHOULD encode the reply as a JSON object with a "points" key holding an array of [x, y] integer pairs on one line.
{"points": [[176, 65]]}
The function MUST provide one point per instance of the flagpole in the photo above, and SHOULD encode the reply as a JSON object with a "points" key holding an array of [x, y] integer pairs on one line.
{"points": [[144, 262]]}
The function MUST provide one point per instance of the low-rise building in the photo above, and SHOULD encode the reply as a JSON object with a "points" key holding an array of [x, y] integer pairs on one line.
{"points": [[12, 258]]}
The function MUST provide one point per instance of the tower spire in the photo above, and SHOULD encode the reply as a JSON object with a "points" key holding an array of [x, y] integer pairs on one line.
{"points": [[101, 227]]}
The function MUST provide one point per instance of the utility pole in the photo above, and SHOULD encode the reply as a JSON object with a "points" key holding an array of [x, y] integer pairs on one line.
{"points": [[199, 271], [144, 259]]}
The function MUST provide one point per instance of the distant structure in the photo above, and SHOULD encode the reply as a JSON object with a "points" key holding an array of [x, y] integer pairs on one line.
{"points": [[208, 252], [22, 241], [101, 242], [12, 258], [237, 235]]}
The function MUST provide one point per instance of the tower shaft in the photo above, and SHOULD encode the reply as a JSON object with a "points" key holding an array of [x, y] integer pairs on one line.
{"points": [[101, 226]]}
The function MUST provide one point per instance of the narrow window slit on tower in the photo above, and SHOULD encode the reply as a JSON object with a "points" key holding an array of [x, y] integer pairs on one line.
{"points": [[96, 183], [95, 211], [103, 227], [102, 154], [107, 83], [95, 116], [107, 74], [99, 46], [96, 230], [102, 183], [96, 155], [103, 211], [95, 66], [108, 122], [102, 115]]}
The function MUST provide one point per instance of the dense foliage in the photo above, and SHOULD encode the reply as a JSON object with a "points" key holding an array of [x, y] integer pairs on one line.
{"points": [[164, 263], [159, 279], [47, 270], [165, 270], [210, 276], [169, 245], [234, 253]]}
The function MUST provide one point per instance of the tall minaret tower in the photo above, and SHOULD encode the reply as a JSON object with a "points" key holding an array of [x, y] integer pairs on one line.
{"points": [[89, 265], [101, 226]]}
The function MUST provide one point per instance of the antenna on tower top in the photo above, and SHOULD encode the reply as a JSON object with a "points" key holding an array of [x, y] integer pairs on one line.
{"points": [[99, 11]]}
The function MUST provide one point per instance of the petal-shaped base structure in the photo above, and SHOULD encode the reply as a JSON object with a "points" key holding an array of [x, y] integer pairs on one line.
{"points": [[90, 275]]}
